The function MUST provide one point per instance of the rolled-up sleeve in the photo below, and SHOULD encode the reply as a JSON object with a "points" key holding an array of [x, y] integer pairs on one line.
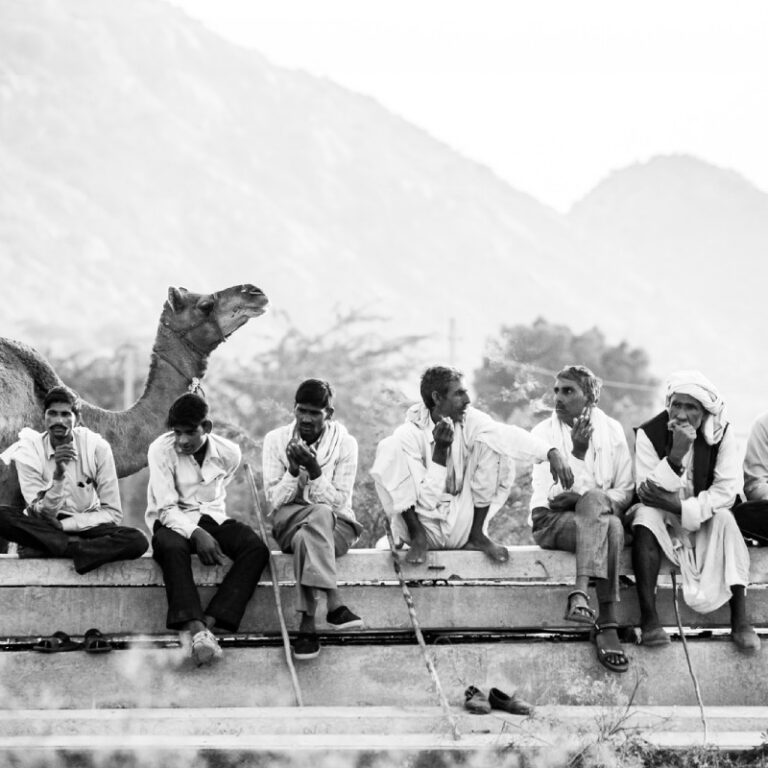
{"points": [[756, 461]]}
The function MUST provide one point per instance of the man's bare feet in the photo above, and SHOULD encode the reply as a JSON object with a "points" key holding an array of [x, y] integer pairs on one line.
{"points": [[495, 551], [417, 550]]}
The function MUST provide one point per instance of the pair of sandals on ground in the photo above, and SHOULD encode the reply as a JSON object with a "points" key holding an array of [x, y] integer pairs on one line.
{"points": [[603, 635], [61, 642]]}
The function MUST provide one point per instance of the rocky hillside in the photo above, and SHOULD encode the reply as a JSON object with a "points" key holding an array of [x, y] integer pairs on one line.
{"points": [[138, 150]]}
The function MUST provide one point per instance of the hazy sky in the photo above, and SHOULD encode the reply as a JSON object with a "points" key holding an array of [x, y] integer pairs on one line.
{"points": [[551, 94]]}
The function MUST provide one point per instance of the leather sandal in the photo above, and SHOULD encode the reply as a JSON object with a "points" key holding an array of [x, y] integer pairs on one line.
{"points": [[95, 642], [58, 642], [604, 654], [581, 614]]}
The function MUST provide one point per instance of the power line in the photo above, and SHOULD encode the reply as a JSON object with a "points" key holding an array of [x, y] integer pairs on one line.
{"points": [[606, 382]]}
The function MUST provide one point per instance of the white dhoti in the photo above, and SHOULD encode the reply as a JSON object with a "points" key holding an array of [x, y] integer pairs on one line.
{"points": [[489, 480], [711, 559]]}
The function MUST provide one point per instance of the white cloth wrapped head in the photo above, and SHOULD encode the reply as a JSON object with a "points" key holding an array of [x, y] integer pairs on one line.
{"points": [[695, 384]]}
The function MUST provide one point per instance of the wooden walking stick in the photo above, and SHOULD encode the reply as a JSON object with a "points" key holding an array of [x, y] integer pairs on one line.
{"points": [[696, 688], [417, 629], [275, 588]]}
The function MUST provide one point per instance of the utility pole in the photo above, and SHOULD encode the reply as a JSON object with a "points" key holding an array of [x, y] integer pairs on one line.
{"points": [[129, 375]]}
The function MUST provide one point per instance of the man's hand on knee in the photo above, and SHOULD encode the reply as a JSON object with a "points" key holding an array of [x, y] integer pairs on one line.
{"points": [[207, 548]]}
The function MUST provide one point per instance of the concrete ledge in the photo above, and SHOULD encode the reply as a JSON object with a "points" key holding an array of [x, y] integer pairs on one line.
{"points": [[358, 566], [544, 672]]}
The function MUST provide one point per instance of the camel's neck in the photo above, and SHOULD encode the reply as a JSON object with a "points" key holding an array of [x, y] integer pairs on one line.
{"points": [[172, 367]]}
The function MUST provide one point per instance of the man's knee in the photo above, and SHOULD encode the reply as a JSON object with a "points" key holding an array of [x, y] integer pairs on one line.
{"points": [[168, 543], [134, 541], [643, 540], [593, 503], [320, 518]]}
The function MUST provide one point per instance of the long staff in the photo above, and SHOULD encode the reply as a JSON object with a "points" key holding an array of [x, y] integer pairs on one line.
{"points": [[688, 658], [275, 588], [417, 629]]}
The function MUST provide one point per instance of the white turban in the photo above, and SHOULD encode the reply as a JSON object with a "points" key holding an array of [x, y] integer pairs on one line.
{"points": [[695, 384]]}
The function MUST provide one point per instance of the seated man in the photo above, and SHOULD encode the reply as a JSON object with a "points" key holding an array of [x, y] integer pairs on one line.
{"points": [[752, 516], [586, 519], [687, 474], [68, 479], [309, 471], [448, 469], [189, 470]]}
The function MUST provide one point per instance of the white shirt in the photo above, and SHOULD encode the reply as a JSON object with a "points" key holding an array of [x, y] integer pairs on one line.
{"points": [[88, 495], [695, 509], [337, 452], [619, 486], [181, 491], [756, 461]]}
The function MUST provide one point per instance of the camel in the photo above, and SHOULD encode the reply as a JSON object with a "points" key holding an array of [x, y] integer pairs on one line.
{"points": [[191, 327]]}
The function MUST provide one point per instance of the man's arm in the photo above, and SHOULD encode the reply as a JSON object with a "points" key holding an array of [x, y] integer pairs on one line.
{"points": [[280, 485], [756, 461]]}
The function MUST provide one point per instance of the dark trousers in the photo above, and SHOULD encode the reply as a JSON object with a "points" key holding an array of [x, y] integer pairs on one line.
{"points": [[239, 543], [752, 519], [88, 549]]}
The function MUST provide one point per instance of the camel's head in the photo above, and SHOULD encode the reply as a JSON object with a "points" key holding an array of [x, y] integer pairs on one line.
{"points": [[203, 321]]}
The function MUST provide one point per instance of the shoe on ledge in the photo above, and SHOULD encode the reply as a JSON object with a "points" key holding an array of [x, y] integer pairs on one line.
{"points": [[343, 618], [512, 704]]}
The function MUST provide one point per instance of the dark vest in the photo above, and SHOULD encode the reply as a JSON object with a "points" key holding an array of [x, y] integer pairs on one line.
{"points": [[704, 455]]}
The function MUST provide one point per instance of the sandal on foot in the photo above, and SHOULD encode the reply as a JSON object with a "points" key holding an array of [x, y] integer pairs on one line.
{"points": [[581, 614], [655, 637], [58, 642], [95, 642], [604, 654]]}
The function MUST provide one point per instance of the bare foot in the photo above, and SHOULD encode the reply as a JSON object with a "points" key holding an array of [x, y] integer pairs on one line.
{"points": [[417, 552], [495, 551]]}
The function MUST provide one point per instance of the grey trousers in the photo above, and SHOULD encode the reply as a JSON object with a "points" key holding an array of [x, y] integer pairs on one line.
{"points": [[315, 537], [592, 531]]}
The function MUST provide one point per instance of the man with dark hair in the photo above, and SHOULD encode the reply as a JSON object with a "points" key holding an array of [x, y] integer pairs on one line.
{"points": [[687, 474], [68, 479], [586, 519], [449, 468], [189, 470], [309, 472]]}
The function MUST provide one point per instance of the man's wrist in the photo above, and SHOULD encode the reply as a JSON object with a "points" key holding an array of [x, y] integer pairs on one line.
{"points": [[440, 455], [579, 454], [675, 465]]}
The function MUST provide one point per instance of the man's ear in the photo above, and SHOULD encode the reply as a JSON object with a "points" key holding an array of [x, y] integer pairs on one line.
{"points": [[207, 426], [436, 397], [328, 412]]}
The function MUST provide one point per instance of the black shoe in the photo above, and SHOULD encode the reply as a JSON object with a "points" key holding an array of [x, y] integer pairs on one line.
{"points": [[306, 646], [343, 618], [512, 704]]}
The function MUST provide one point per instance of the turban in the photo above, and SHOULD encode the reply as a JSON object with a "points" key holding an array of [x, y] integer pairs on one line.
{"points": [[695, 384]]}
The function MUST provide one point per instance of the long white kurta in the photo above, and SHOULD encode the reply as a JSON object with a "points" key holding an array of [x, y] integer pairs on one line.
{"points": [[704, 541], [479, 472]]}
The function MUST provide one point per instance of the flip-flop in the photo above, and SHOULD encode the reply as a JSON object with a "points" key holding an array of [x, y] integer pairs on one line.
{"points": [[604, 654], [58, 642], [95, 642], [581, 614]]}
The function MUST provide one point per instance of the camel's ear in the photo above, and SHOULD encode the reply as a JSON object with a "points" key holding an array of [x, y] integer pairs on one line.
{"points": [[175, 299]]}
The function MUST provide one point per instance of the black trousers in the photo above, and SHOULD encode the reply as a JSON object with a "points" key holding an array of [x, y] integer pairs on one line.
{"points": [[752, 519], [238, 542], [88, 549]]}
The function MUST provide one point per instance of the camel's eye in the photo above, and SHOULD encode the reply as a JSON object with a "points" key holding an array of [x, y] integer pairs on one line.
{"points": [[206, 305]]}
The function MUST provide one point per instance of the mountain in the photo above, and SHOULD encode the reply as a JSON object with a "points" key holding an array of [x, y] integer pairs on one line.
{"points": [[139, 150], [690, 240]]}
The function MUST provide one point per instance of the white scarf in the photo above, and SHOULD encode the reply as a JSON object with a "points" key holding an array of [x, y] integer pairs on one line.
{"points": [[599, 445]]}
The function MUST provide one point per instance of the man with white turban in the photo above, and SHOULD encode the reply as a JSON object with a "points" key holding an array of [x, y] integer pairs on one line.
{"points": [[448, 469], [687, 473], [586, 519]]}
